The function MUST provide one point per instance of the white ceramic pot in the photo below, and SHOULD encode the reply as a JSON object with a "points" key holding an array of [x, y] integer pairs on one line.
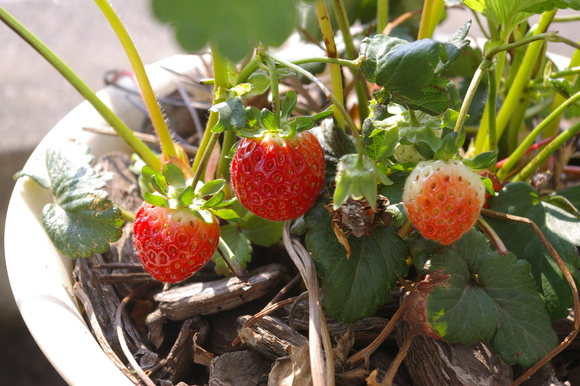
{"points": [[40, 277]]}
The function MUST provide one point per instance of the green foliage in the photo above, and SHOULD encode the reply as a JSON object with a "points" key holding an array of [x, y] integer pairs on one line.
{"points": [[477, 295], [232, 27], [561, 228], [82, 220], [513, 12], [354, 287], [410, 71], [240, 237]]}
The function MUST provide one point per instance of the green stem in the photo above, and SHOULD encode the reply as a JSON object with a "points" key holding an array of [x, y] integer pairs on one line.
{"points": [[224, 162], [432, 12], [570, 75], [500, 60], [275, 90], [220, 73], [157, 119], [337, 104], [331, 52], [353, 64], [248, 70], [119, 126], [200, 169], [425, 20], [522, 78], [530, 138], [470, 93], [543, 155], [344, 25], [491, 102], [382, 15]]}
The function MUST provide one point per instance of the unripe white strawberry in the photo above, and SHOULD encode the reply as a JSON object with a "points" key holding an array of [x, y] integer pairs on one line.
{"points": [[443, 199]]}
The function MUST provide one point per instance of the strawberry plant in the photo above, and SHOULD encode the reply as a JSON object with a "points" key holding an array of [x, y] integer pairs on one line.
{"points": [[432, 166]]}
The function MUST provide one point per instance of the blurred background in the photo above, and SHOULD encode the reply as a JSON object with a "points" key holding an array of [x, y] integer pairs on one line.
{"points": [[33, 97]]}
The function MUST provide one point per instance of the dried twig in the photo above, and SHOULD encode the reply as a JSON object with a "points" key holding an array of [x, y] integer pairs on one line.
{"points": [[98, 332], [121, 335], [569, 279], [395, 364], [321, 375], [366, 352]]}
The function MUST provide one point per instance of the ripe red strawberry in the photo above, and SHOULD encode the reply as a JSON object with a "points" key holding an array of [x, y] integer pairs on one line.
{"points": [[278, 178], [172, 244], [443, 199]]}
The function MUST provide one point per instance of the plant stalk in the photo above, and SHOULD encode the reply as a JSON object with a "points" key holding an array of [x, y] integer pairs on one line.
{"points": [[543, 155], [529, 140], [331, 52], [220, 73], [382, 15], [523, 76], [157, 119]]}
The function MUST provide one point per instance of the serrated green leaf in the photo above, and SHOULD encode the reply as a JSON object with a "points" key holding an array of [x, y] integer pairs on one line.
{"points": [[215, 200], [159, 183], [174, 176], [483, 296], [572, 194], [261, 231], [448, 148], [354, 287], [71, 154], [226, 214], [488, 185], [240, 246], [482, 160], [211, 187], [232, 115], [563, 203], [268, 121], [186, 197], [82, 220], [156, 200], [409, 71], [260, 83], [562, 230], [288, 104]]}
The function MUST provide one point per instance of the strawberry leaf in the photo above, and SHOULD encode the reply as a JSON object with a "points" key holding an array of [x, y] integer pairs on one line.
{"points": [[562, 230], [82, 220], [211, 187], [409, 71], [354, 287], [260, 231], [238, 243], [156, 200], [474, 294], [226, 214], [174, 176], [232, 115], [231, 27], [482, 160]]}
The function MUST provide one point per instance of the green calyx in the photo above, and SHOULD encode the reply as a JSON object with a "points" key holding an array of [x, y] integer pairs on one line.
{"points": [[357, 177], [172, 189]]}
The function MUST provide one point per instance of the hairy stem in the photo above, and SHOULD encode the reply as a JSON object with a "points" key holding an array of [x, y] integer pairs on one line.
{"points": [[157, 119], [220, 73]]}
